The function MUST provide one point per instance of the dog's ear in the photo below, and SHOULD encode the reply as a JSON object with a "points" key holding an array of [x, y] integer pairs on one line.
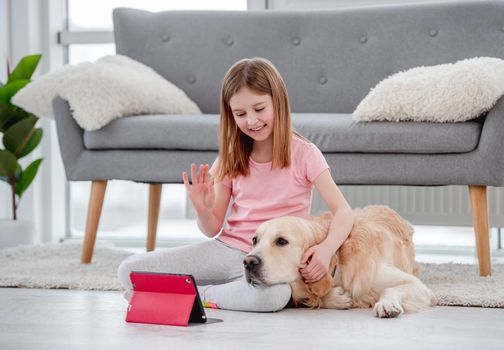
{"points": [[315, 235], [322, 287], [318, 228], [333, 263], [317, 291]]}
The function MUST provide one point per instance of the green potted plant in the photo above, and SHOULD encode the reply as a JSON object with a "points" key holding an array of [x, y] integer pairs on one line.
{"points": [[19, 138]]}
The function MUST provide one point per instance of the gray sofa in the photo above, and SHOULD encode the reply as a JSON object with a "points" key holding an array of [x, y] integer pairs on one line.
{"points": [[330, 59]]}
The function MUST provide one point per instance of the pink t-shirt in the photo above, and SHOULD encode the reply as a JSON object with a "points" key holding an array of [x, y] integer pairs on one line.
{"points": [[266, 194]]}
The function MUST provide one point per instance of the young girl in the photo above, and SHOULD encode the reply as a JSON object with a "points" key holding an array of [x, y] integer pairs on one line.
{"points": [[269, 170]]}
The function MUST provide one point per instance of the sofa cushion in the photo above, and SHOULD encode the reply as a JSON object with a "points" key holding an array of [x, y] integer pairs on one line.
{"points": [[117, 85], [332, 133], [451, 92]]}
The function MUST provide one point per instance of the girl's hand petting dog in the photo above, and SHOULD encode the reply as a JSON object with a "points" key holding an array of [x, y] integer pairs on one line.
{"points": [[317, 267]]}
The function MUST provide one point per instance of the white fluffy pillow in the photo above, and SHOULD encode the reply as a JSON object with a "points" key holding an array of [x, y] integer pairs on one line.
{"points": [[112, 87], [453, 92]]}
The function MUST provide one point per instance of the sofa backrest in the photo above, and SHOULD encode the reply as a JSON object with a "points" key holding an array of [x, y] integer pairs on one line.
{"points": [[329, 59]]}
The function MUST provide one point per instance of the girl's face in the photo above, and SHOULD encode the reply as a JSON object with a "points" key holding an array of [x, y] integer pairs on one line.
{"points": [[253, 113]]}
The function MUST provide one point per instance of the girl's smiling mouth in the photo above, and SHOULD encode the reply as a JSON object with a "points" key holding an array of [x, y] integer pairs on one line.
{"points": [[258, 128]]}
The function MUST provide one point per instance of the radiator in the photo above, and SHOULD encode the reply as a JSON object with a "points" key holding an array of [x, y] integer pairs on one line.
{"points": [[422, 205]]}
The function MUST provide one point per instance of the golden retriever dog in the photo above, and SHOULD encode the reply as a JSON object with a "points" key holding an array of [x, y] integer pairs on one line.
{"points": [[374, 267]]}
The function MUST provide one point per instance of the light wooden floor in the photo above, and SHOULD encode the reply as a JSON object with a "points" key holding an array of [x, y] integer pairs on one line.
{"points": [[66, 319]]}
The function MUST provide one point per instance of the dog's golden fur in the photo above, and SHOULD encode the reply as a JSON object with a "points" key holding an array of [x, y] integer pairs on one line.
{"points": [[374, 267]]}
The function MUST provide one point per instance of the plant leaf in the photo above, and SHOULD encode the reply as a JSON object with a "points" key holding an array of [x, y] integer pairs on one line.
{"points": [[10, 115], [27, 177], [17, 137], [33, 142], [10, 89], [6, 114], [8, 165], [25, 68], [18, 173], [15, 117]]}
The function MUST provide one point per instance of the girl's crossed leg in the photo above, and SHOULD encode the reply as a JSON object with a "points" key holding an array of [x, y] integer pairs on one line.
{"points": [[218, 271]]}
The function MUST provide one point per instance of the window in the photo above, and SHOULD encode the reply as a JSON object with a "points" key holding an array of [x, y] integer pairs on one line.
{"points": [[97, 14]]}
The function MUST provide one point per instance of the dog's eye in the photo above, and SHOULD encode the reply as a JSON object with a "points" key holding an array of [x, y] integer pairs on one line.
{"points": [[254, 240], [281, 241]]}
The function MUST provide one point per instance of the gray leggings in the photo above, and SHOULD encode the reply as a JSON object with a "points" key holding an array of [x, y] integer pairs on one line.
{"points": [[218, 271]]}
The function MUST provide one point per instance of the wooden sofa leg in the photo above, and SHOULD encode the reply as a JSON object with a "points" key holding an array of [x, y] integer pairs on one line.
{"points": [[479, 208], [154, 204], [93, 219]]}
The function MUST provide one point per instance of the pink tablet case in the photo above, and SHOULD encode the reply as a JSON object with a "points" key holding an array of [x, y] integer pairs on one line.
{"points": [[161, 298]]}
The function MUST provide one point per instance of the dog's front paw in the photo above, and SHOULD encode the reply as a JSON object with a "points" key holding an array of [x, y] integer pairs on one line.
{"points": [[337, 298], [388, 308]]}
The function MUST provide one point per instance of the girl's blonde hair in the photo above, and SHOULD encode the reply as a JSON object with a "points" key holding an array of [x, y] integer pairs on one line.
{"points": [[259, 75]]}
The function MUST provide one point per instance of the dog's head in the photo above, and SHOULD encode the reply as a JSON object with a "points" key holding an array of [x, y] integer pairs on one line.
{"points": [[278, 246]]}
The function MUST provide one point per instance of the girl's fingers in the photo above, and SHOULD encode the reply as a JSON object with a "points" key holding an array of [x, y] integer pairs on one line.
{"points": [[311, 280], [194, 179], [207, 173], [200, 175], [316, 276], [313, 272], [308, 270], [203, 173], [186, 180]]}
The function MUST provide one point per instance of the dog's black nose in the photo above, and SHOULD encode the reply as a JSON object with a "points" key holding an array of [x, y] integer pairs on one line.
{"points": [[251, 262]]}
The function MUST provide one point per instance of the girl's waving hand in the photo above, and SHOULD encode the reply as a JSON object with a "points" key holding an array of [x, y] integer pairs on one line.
{"points": [[201, 190]]}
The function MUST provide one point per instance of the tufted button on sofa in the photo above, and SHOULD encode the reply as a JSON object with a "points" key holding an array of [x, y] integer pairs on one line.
{"points": [[330, 59]]}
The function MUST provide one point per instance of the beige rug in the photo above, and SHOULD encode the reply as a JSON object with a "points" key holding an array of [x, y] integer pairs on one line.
{"points": [[58, 266]]}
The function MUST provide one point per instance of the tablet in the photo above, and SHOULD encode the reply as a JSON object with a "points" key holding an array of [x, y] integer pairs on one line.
{"points": [[164, 298]]}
